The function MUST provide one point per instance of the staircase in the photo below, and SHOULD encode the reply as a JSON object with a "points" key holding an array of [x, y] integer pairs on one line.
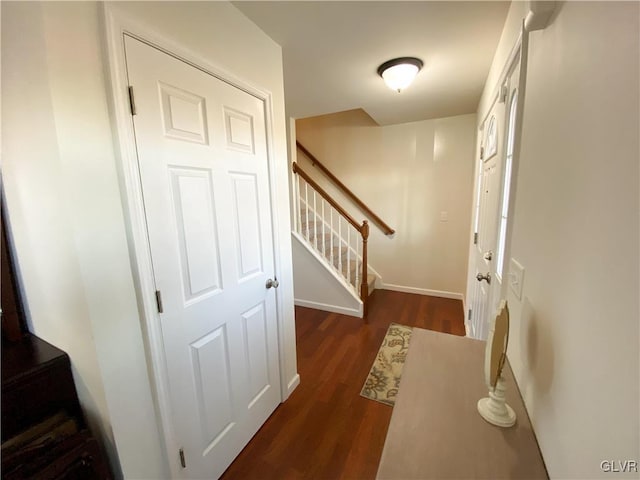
{"points": [[337, 240]]}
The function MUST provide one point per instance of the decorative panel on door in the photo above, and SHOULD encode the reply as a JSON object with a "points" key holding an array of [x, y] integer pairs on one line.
{"points": [[211, 374], [239, 128], [196, 230], [247, 217], [255, 334], [184, 114]]}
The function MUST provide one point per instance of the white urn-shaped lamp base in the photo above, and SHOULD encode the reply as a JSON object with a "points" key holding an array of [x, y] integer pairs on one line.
{"points": [[494, 408]]}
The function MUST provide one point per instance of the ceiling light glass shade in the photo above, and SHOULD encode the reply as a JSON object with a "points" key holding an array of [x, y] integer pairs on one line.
{"points": [[399, 73]]}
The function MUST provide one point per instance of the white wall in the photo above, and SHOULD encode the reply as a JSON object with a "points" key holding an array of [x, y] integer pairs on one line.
{"points": [[574, 343], [64, 200], [408, 174], [64, 208]]}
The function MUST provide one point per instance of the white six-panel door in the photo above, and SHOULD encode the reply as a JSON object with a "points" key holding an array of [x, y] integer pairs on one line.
{"points": [[202, 155]]}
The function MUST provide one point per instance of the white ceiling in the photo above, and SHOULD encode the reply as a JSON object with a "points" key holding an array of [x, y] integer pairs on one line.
{"points": [[332, 50]]}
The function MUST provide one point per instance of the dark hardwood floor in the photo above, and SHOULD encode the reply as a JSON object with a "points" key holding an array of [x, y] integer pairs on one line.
{"points": [[326, 430]]}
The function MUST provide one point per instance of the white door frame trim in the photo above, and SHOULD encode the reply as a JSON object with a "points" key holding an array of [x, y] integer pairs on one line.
{"points": [[115, 26], [521, 48], [519, 51]]}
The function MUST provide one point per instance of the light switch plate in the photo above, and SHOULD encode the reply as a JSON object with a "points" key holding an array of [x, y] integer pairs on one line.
{"points": [[516, 277]]}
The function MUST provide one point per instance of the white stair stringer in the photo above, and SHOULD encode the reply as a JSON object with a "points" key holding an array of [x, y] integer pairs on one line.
{"points": [[318, 285]]}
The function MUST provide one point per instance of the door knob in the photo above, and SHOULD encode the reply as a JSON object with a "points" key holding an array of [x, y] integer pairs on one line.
{"points": [[272, 283], [486, 277]]}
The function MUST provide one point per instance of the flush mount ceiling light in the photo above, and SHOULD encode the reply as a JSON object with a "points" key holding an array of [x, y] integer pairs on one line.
{"points": [[400, 72]]}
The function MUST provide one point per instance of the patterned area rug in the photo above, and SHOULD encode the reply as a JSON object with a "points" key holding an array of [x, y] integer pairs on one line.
{"points": [[384, 378]]}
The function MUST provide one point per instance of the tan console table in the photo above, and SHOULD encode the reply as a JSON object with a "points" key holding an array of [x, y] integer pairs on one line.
{"points": [[436, 431]]}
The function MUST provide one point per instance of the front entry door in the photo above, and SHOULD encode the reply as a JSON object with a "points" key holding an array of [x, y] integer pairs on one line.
{"points": [[202, 153], [482, 258]]}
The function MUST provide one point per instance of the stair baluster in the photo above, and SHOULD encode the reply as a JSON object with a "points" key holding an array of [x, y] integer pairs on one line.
{"points": [[306, 203], [324, 243], [331, 244], [357, 282], [349, 255], [315, 220]]}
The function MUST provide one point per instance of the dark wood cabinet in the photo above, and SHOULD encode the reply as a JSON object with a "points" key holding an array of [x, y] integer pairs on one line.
{"points": [[36, 383], [12, 314], [44, 434]]}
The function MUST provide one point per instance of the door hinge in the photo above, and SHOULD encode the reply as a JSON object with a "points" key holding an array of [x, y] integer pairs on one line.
{"points": [[469, 315], [183, 462], [159, 301], [475, 238], [132, 102], [481, 153], [503, 94]]}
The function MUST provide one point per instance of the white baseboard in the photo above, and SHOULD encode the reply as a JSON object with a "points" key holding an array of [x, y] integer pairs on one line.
{"points": [[292, 385], [421, 291], [329, 308]]}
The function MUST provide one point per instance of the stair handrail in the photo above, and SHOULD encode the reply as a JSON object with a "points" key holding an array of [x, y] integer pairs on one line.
{"points": [[362, 229], [297, 169], [386, 229]]}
